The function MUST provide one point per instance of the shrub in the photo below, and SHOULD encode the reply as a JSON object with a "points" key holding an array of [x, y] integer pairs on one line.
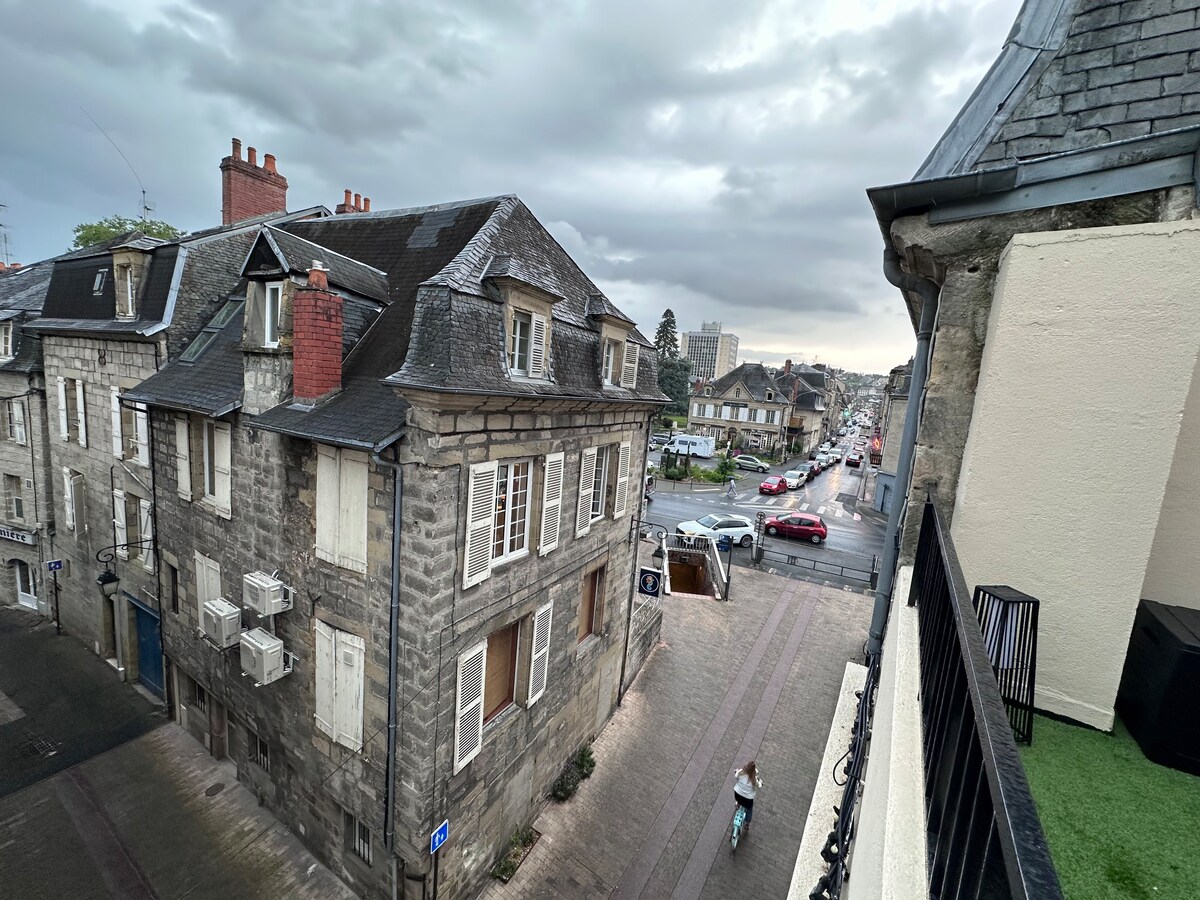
{"points": [[674, 473], [585, 762], [522, 840], [566, 783], [725, 467]]}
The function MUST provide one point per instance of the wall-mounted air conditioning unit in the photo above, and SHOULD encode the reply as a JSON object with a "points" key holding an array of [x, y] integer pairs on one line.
{"points": [[221, 622], [263, 656], [265, 595]]}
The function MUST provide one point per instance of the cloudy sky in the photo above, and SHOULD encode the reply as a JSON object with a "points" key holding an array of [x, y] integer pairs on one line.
{"points": [[704, 155]]}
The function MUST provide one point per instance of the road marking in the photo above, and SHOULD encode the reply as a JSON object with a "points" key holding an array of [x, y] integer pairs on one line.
{"points": [[820, 510], [803, 507], [857, 517], [772, 501], [838, 514]]}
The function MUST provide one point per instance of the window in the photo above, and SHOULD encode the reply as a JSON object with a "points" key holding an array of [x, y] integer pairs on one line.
{"points": [[339, 674], [210, 332], [16, 421], [358, 839], [73, 499], [173, 587], [125, 293], [511, 529], [341, 514], [183, 458], [131, 524], [602, 470], [708, 392], [208, 582], [72, 410], [599, 482], [771, 416], [271, 314], [130, 429], [14, 502], [6, 340], [199, 697], [258, 750], [98, 282], [770, 395], [527, 344], [501, 668], [737, 393], [591, 604], [610, 362], [217, 464]]}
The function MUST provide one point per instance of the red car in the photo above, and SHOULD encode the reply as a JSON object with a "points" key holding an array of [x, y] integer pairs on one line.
{"points": [[804, 526], [774, 484]]}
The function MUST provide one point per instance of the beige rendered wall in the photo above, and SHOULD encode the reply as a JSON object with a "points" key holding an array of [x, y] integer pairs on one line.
{"points": [[1091, 346], [1174, 570]]}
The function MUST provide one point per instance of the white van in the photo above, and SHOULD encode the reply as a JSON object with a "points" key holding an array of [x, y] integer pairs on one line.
{"points": [[690, 445]]}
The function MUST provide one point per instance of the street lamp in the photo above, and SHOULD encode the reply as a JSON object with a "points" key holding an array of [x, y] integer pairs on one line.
{"points": [[107, 582]]}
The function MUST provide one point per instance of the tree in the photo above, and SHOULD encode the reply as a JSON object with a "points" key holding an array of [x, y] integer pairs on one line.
{"points": [[88, 233], [665, 340], [673, 373]]}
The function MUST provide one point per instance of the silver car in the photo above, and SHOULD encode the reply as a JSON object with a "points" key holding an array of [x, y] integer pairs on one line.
{"points": [[738, 529]]}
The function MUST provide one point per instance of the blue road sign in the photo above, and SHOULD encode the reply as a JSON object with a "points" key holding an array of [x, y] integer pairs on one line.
{"points": [[439, 837], [649, 581], [54, 565]]}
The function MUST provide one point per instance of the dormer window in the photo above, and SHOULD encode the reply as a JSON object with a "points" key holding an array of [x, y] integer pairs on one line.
{"points": [[527, 344], [770, 395], [272, 307], [98, 284], [737, 393], [6, 340], [609, 371], [126, 293], [708, 392]]}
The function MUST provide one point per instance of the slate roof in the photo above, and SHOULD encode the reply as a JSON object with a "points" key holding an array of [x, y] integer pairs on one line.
{"points": [[599, 306], [1075, 74], [755, 378], [22, 293], [297, 255], [800, 391]]}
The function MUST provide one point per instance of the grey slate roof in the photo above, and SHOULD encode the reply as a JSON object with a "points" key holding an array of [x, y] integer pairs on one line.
{"points": [[752, 376], [72, 306], [297, 255], [599, 306], [1075, 74], [22, 293]]}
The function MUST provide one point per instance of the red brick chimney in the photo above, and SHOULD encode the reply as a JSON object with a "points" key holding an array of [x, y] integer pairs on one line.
{"points": [[787, 366], [316, 338], [246, 189], [358, 203]]}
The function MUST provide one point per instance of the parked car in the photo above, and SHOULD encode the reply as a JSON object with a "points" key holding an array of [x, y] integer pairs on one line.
{"points": [[825, 447], [795, 478], [739, 529], [773, 484], [746, 461], [807, 469], [823, 460], [854, 459], [841, 432], [660, 440], [835, 455], [815, 468], [801, 526]]}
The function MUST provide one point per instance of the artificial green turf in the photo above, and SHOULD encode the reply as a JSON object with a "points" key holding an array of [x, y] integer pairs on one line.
{"points": [[1118, 825]]}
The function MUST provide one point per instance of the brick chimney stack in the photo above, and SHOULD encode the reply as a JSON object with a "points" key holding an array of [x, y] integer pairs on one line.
{"points": [[316, 338], [353, 203], [246, 189], [787, 366]]}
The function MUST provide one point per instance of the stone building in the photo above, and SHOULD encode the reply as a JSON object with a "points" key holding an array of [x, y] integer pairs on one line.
{"points": [[890, 428], [808, 414], [745, 405], [411, 599], [713, 352]]}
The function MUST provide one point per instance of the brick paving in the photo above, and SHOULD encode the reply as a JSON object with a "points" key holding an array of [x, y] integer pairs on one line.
{"points": [[758, 677]]}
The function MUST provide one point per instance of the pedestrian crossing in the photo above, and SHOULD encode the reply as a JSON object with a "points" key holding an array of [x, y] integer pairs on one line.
{"points": [[753, 500]]}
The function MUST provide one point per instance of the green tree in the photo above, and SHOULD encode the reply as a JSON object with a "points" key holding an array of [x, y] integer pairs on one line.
{"points": [[666, 342], [673, 373], [88, 233]]}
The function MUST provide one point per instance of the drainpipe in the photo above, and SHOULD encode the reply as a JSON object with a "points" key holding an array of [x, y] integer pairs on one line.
{"points": [[389, 810], [929, 292]]}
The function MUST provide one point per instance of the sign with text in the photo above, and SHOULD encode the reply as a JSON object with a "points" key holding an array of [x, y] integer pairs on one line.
{"points": [[439, 837], [21, 537]]}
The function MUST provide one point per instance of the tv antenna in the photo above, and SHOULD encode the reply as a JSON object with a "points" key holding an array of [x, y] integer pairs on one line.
{"points": [[145, 208], [4, 238]]}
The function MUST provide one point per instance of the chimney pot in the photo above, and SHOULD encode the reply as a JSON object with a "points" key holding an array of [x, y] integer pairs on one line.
{"points": [[366, 204], [237, 148], [317, 277], [358, 202], [346, 200], [2, 265], [269, 162], [252, 156]]}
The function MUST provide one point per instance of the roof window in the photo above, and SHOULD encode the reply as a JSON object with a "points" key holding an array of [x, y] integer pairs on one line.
{"points": [[98, 284]]}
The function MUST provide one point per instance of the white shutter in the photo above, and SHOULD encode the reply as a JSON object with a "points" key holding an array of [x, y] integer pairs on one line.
{"points": [[117, 438], [350, 652], [63, 428], [481, 508], [552, 485], [119, 527], [17, 411], [141, 420], [146, 534], [324, 669], [78, 504], [81, 413], [68, 499], [183, 458], [328, 482], [352, 505], [537, 345], [629, 365], [743, 414], [222, 462], [539, 659], [620, 501], [468, 706], [587, 473]]}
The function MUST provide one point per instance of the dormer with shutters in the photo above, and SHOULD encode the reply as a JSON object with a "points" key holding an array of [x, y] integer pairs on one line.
{"points": [[619, 353], [129, 269]]}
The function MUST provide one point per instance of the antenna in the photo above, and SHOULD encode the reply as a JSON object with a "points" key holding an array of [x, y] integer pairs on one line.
{"points": [[145, 208]]}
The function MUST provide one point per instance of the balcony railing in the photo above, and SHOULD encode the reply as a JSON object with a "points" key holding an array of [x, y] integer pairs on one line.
{"points": [[984, 835]]}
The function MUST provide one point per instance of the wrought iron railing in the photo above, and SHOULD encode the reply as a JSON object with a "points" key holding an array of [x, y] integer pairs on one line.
{"points": [[1009, 622], [984, 835]]}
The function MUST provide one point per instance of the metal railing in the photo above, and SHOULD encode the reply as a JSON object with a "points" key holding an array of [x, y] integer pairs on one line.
{"points": [[984, 835], [1009, 620]]}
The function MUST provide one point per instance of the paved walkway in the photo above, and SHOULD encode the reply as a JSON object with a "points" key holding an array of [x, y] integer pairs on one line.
{"points": [[755, 678]]}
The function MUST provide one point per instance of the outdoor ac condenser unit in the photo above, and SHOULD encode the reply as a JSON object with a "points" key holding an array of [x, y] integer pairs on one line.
{"points": [[222, 622], [262, 656], [265, 595]]}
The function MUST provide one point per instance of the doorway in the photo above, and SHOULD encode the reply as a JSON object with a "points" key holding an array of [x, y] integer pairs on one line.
{"points": [[26, 589]]}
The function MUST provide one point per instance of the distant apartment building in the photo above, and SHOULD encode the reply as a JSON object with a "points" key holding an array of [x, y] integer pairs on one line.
{"points": [[712, 351]]}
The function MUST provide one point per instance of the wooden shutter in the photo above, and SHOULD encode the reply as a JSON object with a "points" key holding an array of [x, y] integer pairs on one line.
{"points": [[222, 463], [146, 534], [552, 485], [587, 473], [324, 675], [64, 429], [328, 483], [539, 658], [468, 707], [537, 345], [81, 413], [620, 500], [78, 504], [68, 499], [352, 506], [350, 657], [120, 529], [629, 365], [141, 420], [117, 438], [183, 458], [17, 411], [481, 511]]}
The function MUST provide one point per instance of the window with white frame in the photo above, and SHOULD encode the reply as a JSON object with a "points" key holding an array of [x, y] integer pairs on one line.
{"points": [[6, 340], [14, 498], [528, 343], [74, 517], [603, 474], [609, 369], [130, 429], [511, 522], [358, 838], [16, 421], [133, 526], [339, 673], [98, 281], [72, 410], [126, 292], [599, 482], [272, 310], [341, 515], [771, 416], [218, 463], [518, 343]]}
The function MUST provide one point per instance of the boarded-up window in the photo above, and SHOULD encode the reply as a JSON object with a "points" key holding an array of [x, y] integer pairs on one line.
{"points": [[339, 675], [341, 515]]}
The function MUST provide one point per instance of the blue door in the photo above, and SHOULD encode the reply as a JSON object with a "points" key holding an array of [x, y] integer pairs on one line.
{"points": [[150, 666]]}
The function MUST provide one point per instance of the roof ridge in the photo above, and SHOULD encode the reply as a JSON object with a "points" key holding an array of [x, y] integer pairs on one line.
{"points": [[325, 249], [420, 210]]}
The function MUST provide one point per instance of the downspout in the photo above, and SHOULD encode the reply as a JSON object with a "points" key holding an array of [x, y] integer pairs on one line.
{"points": [[389, 810], [929, 292]]}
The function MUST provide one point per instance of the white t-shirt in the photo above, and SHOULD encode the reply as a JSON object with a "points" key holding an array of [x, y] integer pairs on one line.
{"points": [[744, 787]]}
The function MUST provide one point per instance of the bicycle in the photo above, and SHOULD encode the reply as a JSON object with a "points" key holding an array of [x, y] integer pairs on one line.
{"points": [[739, 825]]}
